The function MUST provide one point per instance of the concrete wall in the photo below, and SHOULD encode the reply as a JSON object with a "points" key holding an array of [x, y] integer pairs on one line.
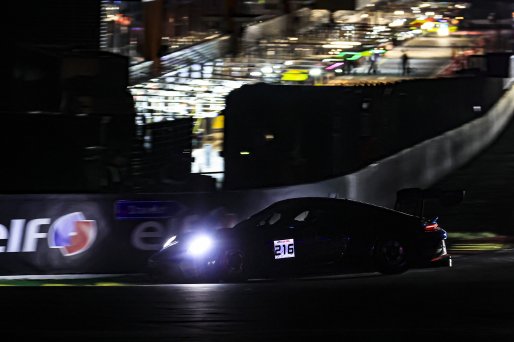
{"points": [[419, 166]]}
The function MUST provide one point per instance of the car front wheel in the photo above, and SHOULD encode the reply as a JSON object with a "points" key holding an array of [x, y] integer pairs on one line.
{"points": [[232, 266], [390, 256]]}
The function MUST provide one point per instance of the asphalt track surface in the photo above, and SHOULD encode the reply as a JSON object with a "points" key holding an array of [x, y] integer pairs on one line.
{"points": [[472, 300]]}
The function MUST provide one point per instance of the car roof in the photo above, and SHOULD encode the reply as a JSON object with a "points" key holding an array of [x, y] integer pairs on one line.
{"points": [[325, 200]]}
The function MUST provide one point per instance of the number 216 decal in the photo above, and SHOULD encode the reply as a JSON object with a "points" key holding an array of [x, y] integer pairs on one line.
{"points": [[284, 248]]}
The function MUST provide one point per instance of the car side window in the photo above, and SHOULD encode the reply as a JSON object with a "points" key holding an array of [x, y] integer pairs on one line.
{"points": [[301, 217], [305, 218], [321, 218], [274, 218], [270, 219]]}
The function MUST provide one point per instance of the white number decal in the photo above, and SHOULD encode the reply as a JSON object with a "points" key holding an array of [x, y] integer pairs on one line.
{"points": [[284, 248]]}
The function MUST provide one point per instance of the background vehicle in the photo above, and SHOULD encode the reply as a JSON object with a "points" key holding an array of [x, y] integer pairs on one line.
{"points": [[304, 236]]}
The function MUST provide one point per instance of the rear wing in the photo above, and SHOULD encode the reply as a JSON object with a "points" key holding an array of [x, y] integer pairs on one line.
{"points": [[413, 200]]}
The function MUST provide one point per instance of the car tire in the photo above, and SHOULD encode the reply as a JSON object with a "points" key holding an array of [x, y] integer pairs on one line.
{"points": [[390, 256], [232, 266]]}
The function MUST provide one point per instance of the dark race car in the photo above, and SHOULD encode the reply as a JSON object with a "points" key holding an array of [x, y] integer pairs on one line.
{"points": [[305, 236]]}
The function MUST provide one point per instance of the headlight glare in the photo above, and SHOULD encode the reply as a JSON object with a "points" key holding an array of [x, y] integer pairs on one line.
{"points": [[170, 242], [200, 245]]}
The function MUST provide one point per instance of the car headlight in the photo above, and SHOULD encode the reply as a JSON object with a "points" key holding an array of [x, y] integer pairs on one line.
{"points": [[170, 242], [200, 245]]}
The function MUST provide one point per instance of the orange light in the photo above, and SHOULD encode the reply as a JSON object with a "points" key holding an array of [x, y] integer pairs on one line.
{"points": [[123, 19]]}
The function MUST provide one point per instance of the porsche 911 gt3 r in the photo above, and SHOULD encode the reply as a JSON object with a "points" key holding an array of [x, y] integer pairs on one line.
{"points": [[303, 236]]}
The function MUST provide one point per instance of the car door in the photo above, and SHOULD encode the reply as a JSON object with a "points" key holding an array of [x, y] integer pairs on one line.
{"points": [[358, 221], [316, 233], [285, 238], [300, 233], [272, 243], [330, 234], [320, 234]]}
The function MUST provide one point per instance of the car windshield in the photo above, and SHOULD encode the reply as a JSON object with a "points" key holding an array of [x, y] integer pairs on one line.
{"points": [[267, 217]]}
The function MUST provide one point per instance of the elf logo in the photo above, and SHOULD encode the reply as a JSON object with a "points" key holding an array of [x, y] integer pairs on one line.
{"points": [[71, 234]]}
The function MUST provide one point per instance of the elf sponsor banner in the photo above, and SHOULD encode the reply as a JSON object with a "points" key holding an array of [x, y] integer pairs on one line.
{"points": [[56, 234]]}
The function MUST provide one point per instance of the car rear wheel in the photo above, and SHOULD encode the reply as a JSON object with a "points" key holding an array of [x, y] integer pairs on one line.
{"points": [[390, 256]]}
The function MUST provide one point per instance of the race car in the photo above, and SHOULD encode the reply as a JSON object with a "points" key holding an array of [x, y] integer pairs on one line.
{"points": [[302, 236]]}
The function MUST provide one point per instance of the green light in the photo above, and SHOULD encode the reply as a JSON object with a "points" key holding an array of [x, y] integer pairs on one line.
{"points": [[357, 55]]}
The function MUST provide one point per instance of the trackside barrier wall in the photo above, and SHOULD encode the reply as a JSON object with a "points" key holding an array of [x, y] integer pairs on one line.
{"points": [[424, 164], [117, 233], [294, 135]]}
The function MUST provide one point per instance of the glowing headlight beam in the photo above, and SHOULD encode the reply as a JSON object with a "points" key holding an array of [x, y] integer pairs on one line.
{"points": [[200, 245]]}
